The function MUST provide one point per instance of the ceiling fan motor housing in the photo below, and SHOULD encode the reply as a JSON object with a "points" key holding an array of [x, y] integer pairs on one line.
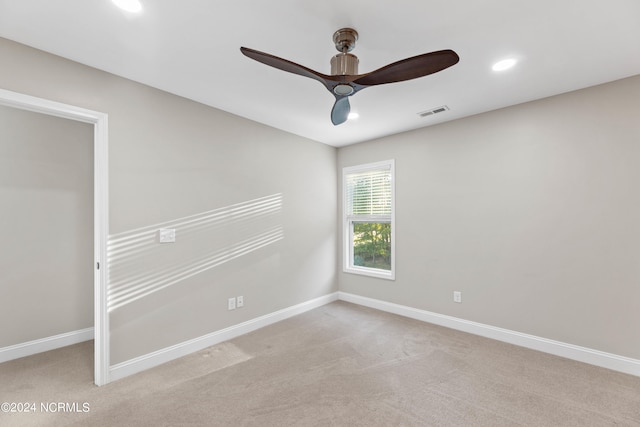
{"points": [[344, 64]]}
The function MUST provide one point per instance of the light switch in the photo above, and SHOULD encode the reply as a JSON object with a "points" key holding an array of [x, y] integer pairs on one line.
{"points": [[167, 235]]}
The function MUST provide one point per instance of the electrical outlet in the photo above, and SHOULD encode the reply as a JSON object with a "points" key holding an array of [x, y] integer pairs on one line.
{"points": [[240, 301], [457, 296], [232, 304]]}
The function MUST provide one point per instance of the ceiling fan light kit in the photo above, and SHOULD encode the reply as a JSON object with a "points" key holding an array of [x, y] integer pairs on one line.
{"points": [[344, 80]]}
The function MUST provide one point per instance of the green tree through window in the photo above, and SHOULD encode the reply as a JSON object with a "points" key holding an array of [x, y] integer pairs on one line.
{"points": [[372, 245]]}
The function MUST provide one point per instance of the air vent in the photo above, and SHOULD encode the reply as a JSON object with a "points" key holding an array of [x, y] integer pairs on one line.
{"points": [[433, 111]]}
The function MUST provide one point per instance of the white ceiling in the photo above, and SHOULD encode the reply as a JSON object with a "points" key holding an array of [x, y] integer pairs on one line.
{"points": [[191, 48]]}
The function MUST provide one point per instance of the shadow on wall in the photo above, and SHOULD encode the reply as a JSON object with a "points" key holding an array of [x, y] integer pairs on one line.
{"points": [[139, 265]]}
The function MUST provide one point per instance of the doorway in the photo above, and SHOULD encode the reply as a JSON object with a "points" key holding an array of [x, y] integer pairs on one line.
{"points": [[100, 211]]}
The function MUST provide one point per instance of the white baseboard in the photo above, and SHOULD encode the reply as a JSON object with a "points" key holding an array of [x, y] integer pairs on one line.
{"points": [[569, 351], [164, 355], [44, 344]]}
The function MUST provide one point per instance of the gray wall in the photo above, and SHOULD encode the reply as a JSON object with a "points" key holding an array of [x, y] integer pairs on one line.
{"points": [[46, 206], [531, 211], [170, 158]]}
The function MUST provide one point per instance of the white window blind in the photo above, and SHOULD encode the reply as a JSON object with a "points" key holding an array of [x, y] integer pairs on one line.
{"points": [[369, 192]]}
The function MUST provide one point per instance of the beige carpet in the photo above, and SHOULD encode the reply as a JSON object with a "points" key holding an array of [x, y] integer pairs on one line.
{"points": [[339, 365]]}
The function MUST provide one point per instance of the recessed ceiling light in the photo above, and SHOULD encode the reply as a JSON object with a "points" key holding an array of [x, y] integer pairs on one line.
{"points": [[505, 64], [353, 116], [133, 6]]}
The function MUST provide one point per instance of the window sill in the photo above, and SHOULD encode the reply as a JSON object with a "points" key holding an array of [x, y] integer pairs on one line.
{"points": [[371, 272]]}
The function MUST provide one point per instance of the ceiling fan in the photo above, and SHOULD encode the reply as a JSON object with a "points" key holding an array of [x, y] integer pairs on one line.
{"points": [[345, 81]]}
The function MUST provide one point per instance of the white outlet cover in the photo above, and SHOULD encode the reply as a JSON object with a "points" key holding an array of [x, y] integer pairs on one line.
{"points": [[457, 296], [167, 235]]}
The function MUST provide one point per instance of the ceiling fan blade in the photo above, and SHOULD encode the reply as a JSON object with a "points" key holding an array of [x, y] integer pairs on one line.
{"points": [[286, 65], [340, 110], [410, 68]]}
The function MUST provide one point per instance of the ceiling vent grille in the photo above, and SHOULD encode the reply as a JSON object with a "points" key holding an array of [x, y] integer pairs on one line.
{"points": [[433, 111]]}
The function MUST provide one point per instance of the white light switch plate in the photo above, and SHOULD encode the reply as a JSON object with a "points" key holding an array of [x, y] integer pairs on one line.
{"points": [[167, 235]]}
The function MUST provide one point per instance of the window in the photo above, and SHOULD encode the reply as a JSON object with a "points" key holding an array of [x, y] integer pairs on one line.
{"points": [[369, 219]]}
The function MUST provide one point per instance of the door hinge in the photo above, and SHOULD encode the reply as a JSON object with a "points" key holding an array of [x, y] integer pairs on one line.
{"points": [[98, 266]]}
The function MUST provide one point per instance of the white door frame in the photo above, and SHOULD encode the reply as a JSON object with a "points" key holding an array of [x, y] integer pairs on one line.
{"points": [[100, 209]]}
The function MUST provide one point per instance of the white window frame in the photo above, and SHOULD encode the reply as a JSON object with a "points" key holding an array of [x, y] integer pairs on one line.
{"points": [[349, 220]]}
